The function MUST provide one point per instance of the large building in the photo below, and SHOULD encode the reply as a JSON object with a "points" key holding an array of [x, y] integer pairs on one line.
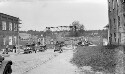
{"points": [[8, 30], [116, 11]]}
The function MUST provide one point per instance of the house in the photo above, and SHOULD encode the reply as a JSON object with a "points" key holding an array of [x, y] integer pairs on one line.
{"points": [[116, 13], [9, 27]]}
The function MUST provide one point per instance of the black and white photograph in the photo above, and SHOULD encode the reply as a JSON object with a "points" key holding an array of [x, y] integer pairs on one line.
{"points": [[62, 36]]}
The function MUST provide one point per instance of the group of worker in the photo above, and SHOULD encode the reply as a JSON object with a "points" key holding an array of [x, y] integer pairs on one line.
{"points": [[7, 49]]}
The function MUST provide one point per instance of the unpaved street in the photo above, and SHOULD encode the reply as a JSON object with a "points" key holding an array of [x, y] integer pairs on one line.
{"points": [[58, 65], [26, 62]]}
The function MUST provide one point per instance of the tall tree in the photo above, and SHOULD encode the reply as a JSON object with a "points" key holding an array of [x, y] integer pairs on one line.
{"points": [[76, 29]]}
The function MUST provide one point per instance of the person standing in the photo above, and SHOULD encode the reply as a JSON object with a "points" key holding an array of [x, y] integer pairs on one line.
{"points": [[7, 47], [36, 47], [33, 47], [14, 48]]}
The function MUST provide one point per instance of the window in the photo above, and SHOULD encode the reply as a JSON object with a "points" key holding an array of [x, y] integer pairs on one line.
{"points": [[124, 15], [118, 3], [115, 36], [15, 27], [110, 38], [4, 41], [15, 39], [118, 21], [109, 1], [10, 40], [110, 26], [123, 1], [3, 25], [10, 26], [114, 24], [113, 4]]}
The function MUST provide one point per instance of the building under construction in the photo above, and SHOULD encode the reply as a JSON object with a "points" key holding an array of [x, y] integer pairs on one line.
{"points": [[116, 13]]}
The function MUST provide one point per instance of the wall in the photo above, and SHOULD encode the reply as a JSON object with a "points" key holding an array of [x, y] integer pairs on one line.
{"points": [[5, 34], [116, 21]]}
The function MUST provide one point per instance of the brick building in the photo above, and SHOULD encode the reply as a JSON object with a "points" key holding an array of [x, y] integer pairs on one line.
{"points": [[8, 30], [116, 13]]}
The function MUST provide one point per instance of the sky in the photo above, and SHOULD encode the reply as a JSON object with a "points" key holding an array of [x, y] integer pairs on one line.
{"points": [[39, 14]]}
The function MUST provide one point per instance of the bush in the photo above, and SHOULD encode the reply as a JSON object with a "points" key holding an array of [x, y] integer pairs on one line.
{"points": [[100, 58]]}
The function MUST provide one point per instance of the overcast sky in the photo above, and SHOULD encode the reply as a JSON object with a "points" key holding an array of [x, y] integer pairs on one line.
{"points": [[38, 14]]}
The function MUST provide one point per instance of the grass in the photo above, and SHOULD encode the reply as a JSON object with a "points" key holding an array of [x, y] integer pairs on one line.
{"points": [[100, 58]]}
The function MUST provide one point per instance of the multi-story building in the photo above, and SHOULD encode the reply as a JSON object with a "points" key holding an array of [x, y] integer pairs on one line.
{"points": [[116, 13], [9, 28]]}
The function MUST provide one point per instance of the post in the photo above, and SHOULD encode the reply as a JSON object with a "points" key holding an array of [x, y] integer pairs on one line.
{"points": [[18, 39], [43, 41], [18, 48]]}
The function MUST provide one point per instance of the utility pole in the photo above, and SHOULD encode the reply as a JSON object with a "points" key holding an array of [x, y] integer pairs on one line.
{"points": [[18, 47]]}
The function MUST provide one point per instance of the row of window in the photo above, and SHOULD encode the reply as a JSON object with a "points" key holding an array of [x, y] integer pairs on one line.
{"points": [[4, 26], [115, 1], [11, 40]]}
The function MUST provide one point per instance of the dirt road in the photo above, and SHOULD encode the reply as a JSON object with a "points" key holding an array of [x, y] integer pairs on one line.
{"points": [[26, 62], [58, 65]]}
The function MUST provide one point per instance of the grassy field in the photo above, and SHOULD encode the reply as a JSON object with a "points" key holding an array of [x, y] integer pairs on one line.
{"points": [[100, 58]]}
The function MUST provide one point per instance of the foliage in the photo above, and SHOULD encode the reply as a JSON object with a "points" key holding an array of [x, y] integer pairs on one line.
{"points": [[76, 29], [100, 58], [47, 33], [33, 32], [92, 33]]}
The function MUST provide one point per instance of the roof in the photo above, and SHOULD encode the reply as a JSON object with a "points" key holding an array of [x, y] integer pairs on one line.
{"points": [[8, 15], [107, 26]]}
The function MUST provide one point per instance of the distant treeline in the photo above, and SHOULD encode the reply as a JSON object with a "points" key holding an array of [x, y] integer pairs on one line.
{"points": [[32, 32], [90, 33], [103, 33]]}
